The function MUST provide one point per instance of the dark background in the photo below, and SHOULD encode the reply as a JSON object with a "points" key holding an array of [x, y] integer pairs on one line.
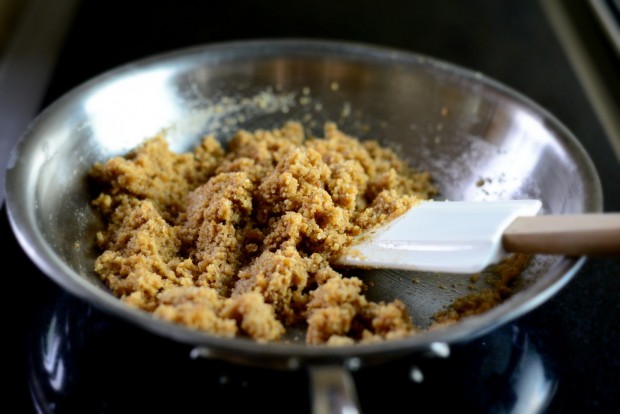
{"points": [[511, 41]]}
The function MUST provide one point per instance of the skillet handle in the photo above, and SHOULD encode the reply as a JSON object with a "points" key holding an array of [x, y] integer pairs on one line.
{"points": [[333, 390]]}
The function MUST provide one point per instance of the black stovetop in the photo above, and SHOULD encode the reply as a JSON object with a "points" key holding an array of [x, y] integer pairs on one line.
{"points": [[564, 354]]}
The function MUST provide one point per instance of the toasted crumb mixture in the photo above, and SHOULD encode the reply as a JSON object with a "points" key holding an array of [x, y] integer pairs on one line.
{"points": [[237, 240]]}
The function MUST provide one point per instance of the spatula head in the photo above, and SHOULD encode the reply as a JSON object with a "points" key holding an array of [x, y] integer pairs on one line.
{"points": [[440, 236]]}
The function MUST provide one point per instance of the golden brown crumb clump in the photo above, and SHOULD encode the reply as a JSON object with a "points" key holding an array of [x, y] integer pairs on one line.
{"points": [[238, 241]]}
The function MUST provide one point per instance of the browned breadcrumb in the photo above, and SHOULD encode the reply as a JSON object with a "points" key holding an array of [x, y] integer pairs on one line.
{"points": [[502, 275], [237, 241]]}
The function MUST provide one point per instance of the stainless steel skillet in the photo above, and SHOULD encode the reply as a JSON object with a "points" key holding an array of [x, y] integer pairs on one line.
{"points": [[477, 137]]}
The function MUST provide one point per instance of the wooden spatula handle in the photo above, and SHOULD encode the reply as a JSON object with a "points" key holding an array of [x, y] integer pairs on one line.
{"points": [[571, 235]]}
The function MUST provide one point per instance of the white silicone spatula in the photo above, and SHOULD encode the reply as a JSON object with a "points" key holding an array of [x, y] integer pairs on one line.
{"points": [[468, 236]]}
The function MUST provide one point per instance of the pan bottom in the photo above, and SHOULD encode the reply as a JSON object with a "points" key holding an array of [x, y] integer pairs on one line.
{"points": [[82, 360]]}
